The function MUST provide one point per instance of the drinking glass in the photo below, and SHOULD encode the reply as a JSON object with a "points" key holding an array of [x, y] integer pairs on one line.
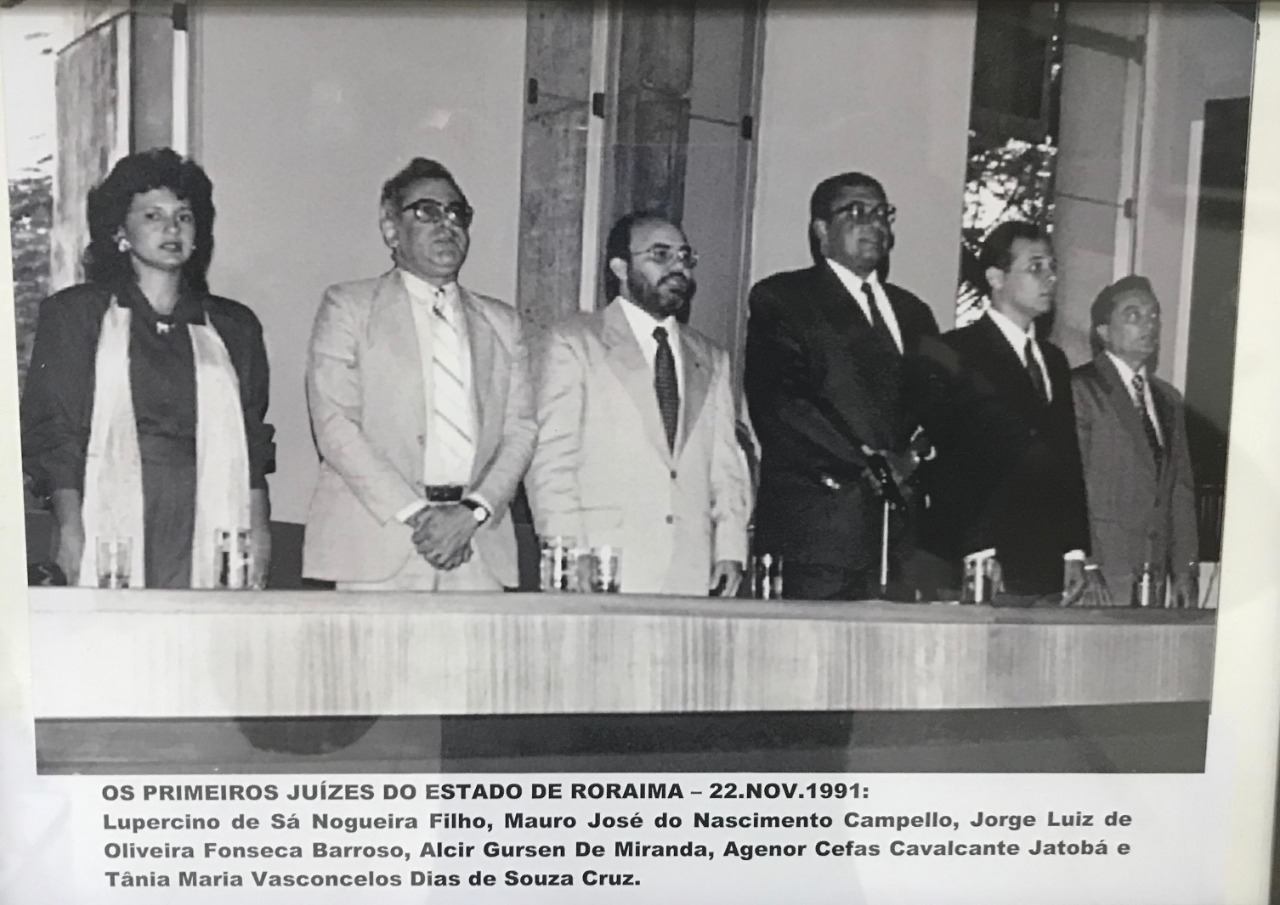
{"points": [[765, 575], [234, 563], [1149, 588], [559, 564], [979, 577], [605, 574], [114, 561]]}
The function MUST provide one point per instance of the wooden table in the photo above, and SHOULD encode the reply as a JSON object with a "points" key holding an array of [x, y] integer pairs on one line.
{"points": [[157, 657]]}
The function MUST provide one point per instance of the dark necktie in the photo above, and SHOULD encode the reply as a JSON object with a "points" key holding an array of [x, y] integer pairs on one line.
{"points": [[878, 326], [664, 383], [1148, 426], [1034, 372]]}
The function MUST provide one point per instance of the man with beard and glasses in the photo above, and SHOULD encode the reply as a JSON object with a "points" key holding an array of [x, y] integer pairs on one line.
{"points": [[830, 369], [422, 410], [636, 444]]}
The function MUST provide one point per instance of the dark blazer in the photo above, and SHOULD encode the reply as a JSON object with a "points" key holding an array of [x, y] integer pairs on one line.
{"points": [[1008, 471], [57, 399], [819, 384], [1137, 512]]}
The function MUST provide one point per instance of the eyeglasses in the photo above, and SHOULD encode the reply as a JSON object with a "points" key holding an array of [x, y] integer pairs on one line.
{"points": [[428, 210], [665, 255], [862, 214]]}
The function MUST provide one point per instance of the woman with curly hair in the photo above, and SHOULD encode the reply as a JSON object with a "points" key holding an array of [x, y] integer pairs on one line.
{"points": [[143, 410]]}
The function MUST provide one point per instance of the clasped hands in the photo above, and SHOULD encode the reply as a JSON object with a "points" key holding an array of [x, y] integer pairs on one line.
{"points": [[901, 467], [442, 534]]}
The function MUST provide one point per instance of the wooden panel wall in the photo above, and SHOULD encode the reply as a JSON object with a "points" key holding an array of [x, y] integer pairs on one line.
{"points": [[155, 654]]}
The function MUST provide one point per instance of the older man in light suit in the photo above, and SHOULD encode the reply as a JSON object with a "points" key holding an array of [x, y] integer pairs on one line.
{"points": [[422, 410], [1133, 444], [636, 426]]}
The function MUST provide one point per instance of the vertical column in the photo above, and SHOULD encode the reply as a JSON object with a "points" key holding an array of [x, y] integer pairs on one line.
{"points": [[718, 170], [1100, 122], [91, 87], [114, 90], [655, 74], [554, 160], [151, 75]]}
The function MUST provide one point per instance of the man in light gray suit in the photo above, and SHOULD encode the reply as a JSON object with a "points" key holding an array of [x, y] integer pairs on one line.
{"points": [[637, 444], [1133, 443], [422, 410]]}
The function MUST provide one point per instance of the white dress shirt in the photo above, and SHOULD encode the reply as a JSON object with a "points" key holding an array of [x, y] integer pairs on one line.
{"points": [[427, 303], [1126, 376], [854, 284], [1017, 338], [642, 324]]}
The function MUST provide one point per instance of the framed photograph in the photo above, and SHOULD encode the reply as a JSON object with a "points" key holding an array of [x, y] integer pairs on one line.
{"points": [[759, 449]]}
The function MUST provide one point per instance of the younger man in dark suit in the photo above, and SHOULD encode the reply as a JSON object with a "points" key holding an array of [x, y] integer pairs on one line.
{"points": [[828, 372], [1008, 471]]}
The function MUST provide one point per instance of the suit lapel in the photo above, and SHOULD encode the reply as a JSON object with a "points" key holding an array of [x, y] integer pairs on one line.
{"points": [[626, 359], [841, 308], [1164, 419], [695, 384], [1008, 369], [393, 338], [488, 402], [1125, 408]]}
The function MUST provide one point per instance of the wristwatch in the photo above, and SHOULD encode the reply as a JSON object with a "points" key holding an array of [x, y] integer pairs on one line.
{"points": [[479, 510]]}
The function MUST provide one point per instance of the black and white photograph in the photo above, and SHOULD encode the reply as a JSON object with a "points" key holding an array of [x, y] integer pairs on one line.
{"points": [[594, 387], [753, 450]]}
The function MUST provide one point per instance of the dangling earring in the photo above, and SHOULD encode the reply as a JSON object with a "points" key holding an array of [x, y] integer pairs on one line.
{"points": [[122, 244]]}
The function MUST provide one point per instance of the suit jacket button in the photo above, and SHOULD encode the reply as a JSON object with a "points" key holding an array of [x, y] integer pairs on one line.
{"points": [[671, 519], [1031, 432], [830, 483], [673, 474], [422, 439]]}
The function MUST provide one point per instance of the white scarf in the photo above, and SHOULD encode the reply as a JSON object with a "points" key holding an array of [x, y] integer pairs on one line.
{"points": [[113, 506]]}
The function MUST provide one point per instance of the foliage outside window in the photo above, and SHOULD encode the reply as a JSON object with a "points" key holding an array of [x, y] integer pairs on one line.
{"points": [[1012, 131], [30, 217]]}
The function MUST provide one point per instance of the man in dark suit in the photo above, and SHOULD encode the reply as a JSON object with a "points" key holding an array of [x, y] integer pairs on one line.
{"points": [[1133, 443], [829, 377], [1007, 474]]}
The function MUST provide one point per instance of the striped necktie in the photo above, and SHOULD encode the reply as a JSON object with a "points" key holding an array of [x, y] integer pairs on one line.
{"points": [[451, 399], [1148, 426]]}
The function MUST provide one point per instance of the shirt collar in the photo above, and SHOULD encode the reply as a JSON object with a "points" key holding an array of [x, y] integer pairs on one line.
{"points": [[642, 322], [1126, 373], [420, 289], [1016, 336], [851, 280]]}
